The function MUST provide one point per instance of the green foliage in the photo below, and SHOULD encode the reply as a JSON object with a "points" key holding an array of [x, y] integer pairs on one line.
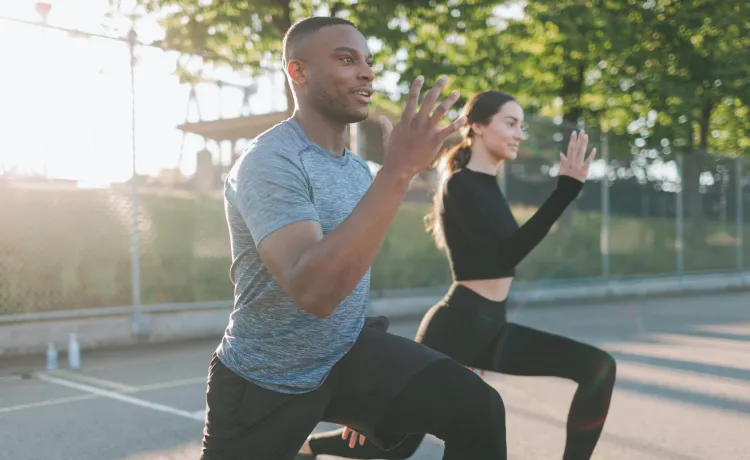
{"points": [[650, 70], [689, 64]]}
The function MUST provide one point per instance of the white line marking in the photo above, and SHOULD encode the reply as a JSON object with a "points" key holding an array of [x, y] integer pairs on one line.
{"points": [[96, 381], [201, 414], [49, 402], [170, 384], [121, 397]]}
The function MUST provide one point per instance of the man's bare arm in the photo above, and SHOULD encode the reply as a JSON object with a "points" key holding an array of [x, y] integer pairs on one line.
{"points": [[318, 271]]}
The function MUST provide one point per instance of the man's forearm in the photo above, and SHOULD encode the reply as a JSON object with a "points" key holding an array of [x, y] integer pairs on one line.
{"points": [[331, 269]]}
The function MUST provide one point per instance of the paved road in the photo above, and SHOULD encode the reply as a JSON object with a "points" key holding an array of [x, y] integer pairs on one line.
{"points": [[683, 391]]}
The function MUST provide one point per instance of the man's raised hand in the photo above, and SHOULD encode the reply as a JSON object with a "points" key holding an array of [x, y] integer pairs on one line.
{"points": [[417, 138]]}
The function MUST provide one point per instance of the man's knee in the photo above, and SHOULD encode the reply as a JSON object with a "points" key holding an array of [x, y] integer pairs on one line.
{"points": [[479, 431], [483, 407], [494, 414]]}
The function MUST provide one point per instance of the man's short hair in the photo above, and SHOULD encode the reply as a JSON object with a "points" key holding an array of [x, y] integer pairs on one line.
{"points": [[306, 27]]}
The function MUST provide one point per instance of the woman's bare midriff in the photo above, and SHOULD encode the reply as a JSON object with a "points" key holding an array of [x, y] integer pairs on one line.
{"points": [[495, 289]]}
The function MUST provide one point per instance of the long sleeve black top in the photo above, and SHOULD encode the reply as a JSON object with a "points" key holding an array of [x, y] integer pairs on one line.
{"points": [[482, 238]]}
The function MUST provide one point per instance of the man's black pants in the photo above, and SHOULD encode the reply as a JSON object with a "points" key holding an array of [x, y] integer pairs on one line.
{"points": [[386, 387]]}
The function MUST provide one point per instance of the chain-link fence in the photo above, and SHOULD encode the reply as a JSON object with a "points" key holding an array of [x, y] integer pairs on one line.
{"points": [[84, 245]]}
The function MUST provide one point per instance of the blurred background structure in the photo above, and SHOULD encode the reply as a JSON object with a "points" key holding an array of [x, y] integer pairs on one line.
{"points": [[121, 118]]}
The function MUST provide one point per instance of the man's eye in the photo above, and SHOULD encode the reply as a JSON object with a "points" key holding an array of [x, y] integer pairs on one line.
{"points": [[348, 59]]}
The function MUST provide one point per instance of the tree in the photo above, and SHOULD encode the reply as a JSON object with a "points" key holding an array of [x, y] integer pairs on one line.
{"points": [[247, 34], [686, 68]]}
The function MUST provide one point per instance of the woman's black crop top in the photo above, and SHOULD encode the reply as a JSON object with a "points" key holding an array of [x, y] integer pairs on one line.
{"points": [[482, 238]]}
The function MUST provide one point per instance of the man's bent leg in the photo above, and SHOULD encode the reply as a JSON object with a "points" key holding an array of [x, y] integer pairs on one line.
{"points": [[389, 387], [244, 421], [455, 405]]}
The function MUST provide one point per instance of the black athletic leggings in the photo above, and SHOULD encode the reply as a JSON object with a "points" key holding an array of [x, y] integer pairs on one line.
{"points": [[472, 330]]}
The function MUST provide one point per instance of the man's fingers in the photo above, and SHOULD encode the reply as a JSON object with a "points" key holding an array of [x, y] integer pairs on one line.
{"points": [[443, 108], [411, 102], [361, 440], [387, 127], [446, 132], [346, 433], [431, 97]]}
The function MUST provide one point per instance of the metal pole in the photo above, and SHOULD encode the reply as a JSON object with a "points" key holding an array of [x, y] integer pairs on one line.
{"points": [[604, 237], [679, 216], [740, 217], [137, 323]]}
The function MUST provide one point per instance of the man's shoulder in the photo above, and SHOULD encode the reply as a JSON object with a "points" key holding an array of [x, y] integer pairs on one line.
{"points": [[276, 147], [283, 139]]}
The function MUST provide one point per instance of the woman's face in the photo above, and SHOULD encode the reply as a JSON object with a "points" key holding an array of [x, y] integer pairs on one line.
{"points": [[503, 135]]}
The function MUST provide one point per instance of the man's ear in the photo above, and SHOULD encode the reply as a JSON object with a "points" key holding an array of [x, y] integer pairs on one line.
{"points": [[296, 70]]}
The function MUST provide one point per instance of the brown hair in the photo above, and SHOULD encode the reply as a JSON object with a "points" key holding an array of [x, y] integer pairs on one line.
{"points": [[480, 108]]}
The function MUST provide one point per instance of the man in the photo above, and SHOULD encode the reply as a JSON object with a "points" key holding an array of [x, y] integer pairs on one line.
{"points": [[306, 221]]}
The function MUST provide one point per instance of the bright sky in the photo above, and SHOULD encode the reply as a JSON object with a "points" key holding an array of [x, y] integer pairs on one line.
{"points": [[66, 102]]}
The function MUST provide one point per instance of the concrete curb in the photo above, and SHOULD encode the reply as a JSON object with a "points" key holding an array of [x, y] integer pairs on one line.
{"points": [[210, 320]]}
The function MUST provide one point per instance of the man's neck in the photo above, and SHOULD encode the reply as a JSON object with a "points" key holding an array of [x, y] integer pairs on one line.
{"points": [[328, 134]]}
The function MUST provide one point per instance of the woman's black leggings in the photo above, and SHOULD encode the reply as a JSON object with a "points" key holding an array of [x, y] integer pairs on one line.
{"points": [[515, 350]]}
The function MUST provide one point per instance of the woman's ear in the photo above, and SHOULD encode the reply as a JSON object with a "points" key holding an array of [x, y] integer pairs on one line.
{"points": [[476, 129]]}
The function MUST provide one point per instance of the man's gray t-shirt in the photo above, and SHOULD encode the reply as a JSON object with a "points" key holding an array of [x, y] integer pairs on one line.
{"points": [[283, 178]]}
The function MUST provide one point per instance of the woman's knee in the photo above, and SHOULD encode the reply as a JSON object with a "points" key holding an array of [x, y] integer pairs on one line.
{"points": [[608, 366], [602, 369]]}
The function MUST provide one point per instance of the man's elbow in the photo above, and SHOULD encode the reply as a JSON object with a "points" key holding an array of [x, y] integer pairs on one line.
{"points": [[316, 305]]}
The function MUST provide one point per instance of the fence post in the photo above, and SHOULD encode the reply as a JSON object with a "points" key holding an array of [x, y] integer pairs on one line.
{"points": [[740, 205], [138, 326], [604, 237], [679, 217]]}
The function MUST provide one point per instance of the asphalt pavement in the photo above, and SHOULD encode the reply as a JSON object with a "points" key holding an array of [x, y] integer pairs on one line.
{"points": [[683, 390]]}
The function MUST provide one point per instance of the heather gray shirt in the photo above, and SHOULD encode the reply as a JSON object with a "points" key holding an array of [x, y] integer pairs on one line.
{"points": [[283, 178]]}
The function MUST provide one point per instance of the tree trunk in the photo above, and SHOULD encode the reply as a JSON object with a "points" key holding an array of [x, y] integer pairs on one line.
{"points": [[283, 22], [572, 89], [694, 164]]}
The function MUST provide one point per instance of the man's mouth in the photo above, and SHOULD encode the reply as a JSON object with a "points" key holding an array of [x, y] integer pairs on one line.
{"points": [[364, 95]]}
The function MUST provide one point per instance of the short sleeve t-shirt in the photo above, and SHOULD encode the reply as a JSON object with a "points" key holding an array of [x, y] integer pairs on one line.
{"points": [[282, 178]]}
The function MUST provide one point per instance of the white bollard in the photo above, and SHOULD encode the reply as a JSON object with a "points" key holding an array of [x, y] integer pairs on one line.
{"points": [[74, 353], [51, 357]]}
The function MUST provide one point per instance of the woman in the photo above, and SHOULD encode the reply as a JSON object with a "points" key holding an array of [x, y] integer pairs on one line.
{"points": [[472, 222]]}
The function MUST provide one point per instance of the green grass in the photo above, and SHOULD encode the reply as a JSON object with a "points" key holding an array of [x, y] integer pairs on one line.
{"points": [[70, 248]]}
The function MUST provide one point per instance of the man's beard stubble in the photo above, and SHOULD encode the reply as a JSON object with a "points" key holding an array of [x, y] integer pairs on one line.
{"points": [[334, 108]]}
